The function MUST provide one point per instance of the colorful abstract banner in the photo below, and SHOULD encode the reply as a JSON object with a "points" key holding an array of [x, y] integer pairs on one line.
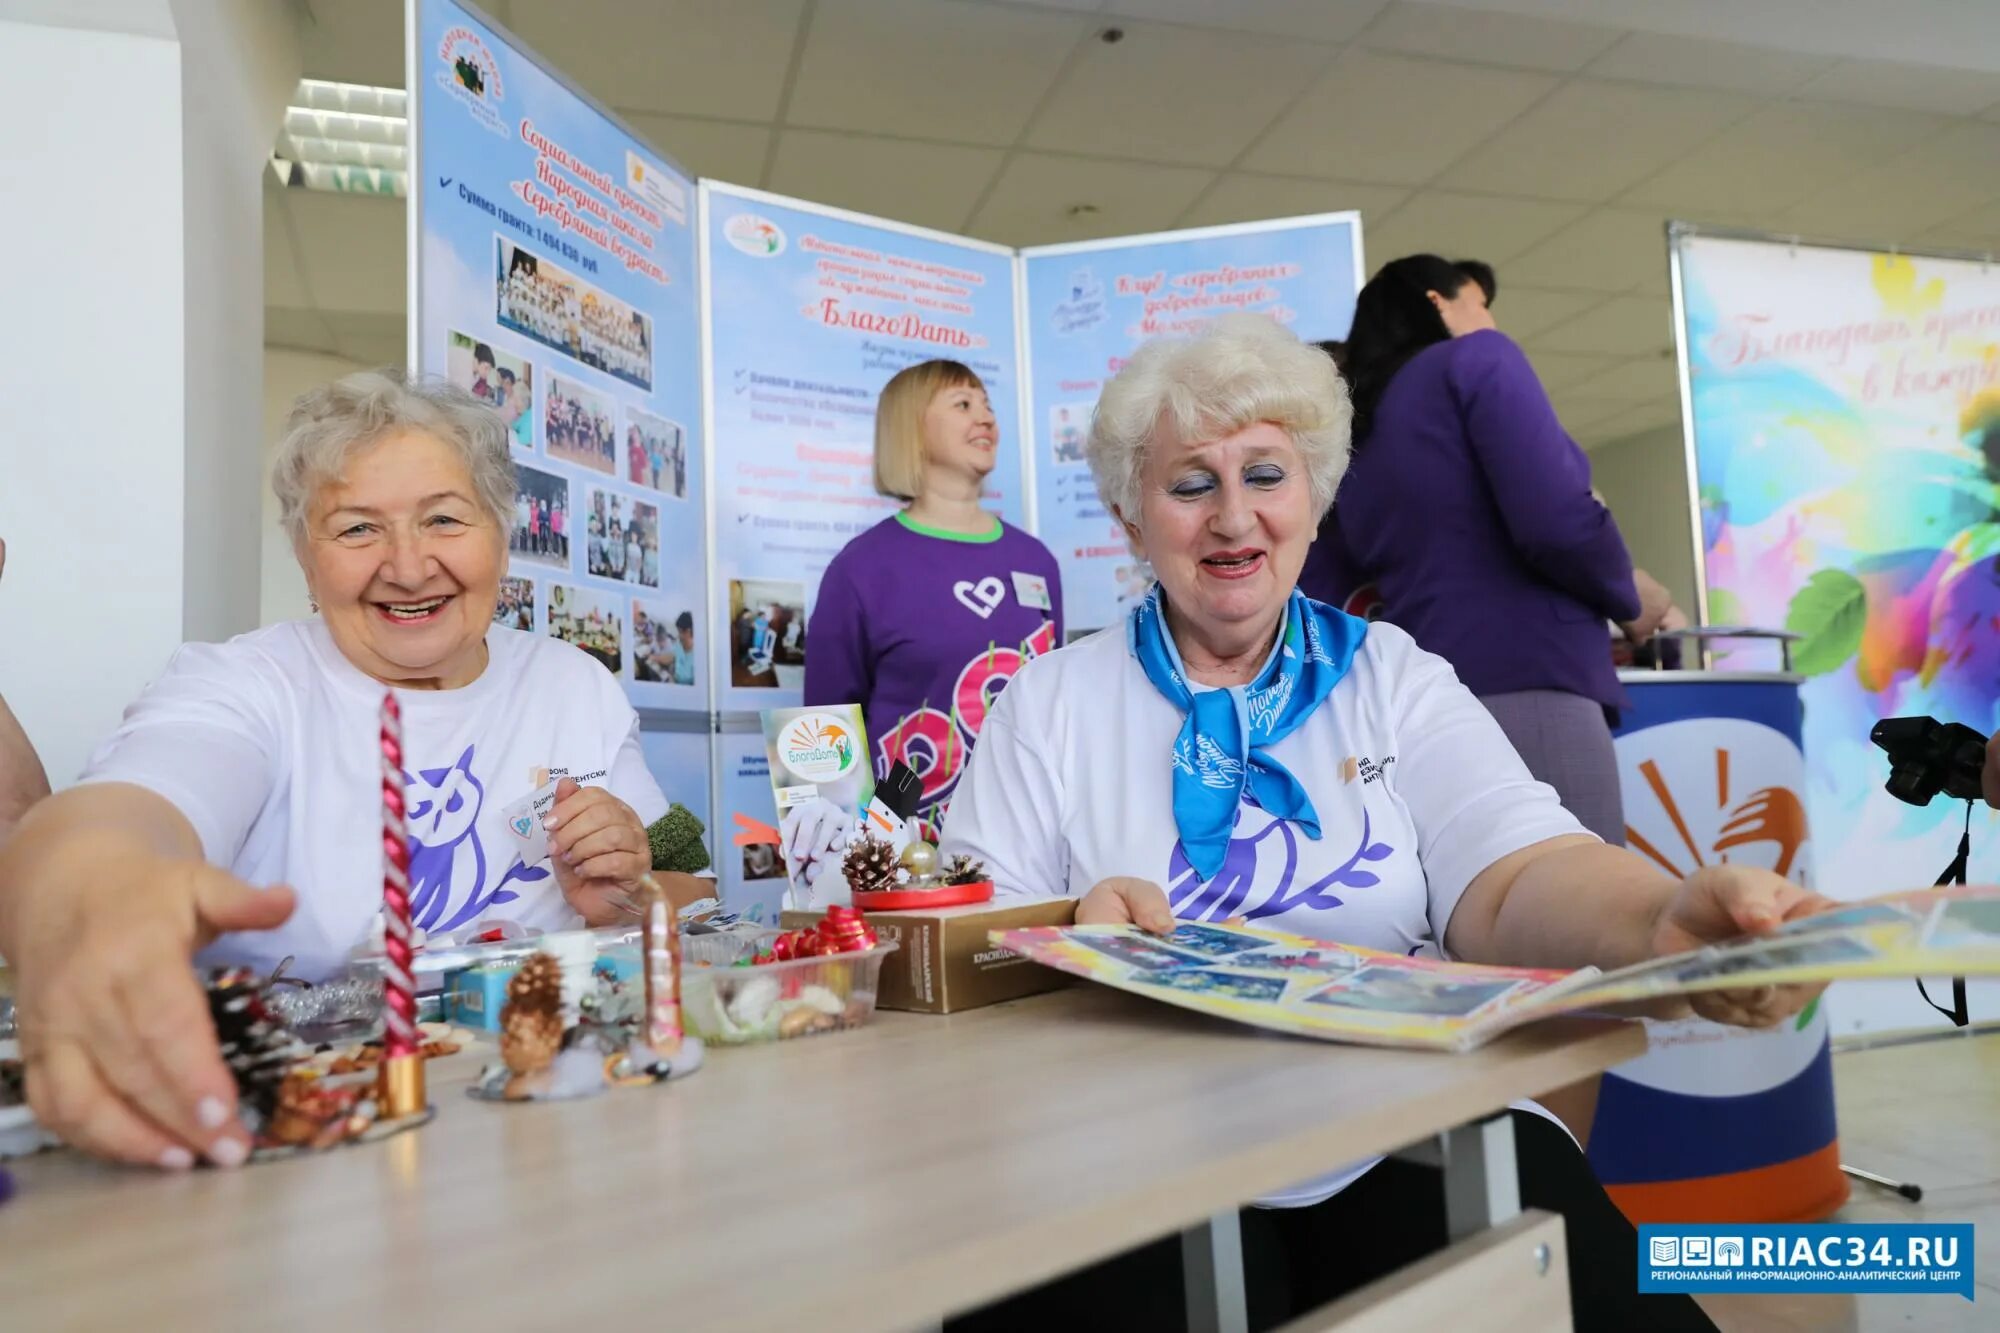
{"points": [[1846, 416]]}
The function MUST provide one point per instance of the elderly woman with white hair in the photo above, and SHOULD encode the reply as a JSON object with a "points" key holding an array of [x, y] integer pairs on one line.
{"points": [[235, 815], [1236, 750]]}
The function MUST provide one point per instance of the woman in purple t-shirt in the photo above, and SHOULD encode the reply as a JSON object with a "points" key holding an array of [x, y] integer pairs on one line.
{"points": [[1470, 511], [923, 618]]}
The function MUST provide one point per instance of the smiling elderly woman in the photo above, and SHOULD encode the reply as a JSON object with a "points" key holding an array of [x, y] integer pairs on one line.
{"points": [[254, 763], [1237, 750]]}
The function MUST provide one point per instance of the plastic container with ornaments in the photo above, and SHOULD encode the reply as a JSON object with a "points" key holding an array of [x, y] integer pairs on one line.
{"points": [[736, 1003]]}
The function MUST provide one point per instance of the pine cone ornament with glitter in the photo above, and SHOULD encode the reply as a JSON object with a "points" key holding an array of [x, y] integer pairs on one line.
{"points": [[529, 1041], [258, 1048], [531, 1025], [870, 865], [964, 869]]}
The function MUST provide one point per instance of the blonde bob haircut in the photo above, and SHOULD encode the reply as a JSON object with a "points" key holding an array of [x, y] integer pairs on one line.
{"points": [[1240, 370], [899, 423]]}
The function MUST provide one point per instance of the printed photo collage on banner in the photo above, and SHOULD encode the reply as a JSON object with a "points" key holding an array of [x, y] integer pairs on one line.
{"points": [[558, 284]]}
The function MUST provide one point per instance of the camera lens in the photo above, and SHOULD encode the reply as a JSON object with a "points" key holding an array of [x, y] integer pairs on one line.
{"points": [[1912, 782]]}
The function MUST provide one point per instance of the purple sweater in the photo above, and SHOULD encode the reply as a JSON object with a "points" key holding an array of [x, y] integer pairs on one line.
{"points": [[923, 630], [1469, 509]]}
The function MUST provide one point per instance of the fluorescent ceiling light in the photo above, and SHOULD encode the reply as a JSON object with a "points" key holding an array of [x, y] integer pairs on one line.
{"points": [[349, 138]]}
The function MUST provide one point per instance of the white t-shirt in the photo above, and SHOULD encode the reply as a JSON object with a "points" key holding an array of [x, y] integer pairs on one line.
{"points": [[268, 744], [1416, 787]]}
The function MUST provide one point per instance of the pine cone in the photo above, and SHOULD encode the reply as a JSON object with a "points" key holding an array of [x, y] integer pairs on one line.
{"points": [[964, 869], [256, 1046], [529, 1041], [536, 988], [870, 865]]}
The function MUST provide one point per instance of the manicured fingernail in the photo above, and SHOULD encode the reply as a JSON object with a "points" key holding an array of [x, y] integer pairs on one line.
{"points": [[212, 1113], [227, 1152], [176, 1159]]}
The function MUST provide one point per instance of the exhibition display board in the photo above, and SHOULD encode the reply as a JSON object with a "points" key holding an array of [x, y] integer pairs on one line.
{"points": [[691, 375], [1843, 411], [553, 274], [1088, 306], [810, 311]]}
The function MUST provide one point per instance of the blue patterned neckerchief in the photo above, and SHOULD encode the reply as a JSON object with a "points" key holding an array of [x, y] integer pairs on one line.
{"points": [[1213, 756]]}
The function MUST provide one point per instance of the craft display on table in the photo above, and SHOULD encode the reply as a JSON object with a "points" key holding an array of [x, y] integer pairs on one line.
{"points": [[884, 881], [553, 1048], [289, 1096]]}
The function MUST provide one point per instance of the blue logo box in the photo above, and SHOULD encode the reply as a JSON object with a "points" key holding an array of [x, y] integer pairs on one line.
{"points": [[1913, 1258]]}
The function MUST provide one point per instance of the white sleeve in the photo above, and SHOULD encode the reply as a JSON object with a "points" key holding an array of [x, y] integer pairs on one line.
{"points": [[1007, 810], [1470, 797], [206, 738]]}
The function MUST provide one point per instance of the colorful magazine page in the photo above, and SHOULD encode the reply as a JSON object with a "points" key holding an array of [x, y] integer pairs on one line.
{"points": [[1936, 932], [1290, 983], [820, 771], [1338, 992]]}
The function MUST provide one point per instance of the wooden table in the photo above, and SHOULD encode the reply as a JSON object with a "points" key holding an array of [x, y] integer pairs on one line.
{"points": [[872, 1180]]}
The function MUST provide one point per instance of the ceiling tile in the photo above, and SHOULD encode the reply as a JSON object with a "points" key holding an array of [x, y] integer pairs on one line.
{"points": [[357, 42], [1391, 118], [1523, 312], [685, 57], [1566, 370], [1696, 62], [1488, 38], [295, 326], [1945, 92], [1469, 226], [969, 72], [1624, 326], [1610, 250], [1243, 197], [347, 250], [1029, 205], [1634, 421], [729, 150], [1315, 20], [1640, 378], [1578, 412], [1173, 94], [931, 185], [373, 338], [1780, 155], [1923, 186], [1978, 230], [1591, 139]]}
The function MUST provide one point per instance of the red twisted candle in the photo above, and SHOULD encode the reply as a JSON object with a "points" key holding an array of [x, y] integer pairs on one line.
{"points": [[399, 990]]}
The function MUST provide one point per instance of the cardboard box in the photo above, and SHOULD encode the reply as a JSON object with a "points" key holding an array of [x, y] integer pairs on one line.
{"points": [[945, 964]]}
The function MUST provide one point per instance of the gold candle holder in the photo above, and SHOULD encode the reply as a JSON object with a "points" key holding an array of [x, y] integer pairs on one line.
{"points": [[399, 1088]]}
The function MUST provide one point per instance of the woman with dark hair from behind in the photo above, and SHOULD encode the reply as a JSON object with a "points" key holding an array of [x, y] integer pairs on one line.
{"points": [[1470, 510]]}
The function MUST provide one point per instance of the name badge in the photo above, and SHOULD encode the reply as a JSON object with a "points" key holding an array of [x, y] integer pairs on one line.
{"points": [[1032, 590], [526, 820]]}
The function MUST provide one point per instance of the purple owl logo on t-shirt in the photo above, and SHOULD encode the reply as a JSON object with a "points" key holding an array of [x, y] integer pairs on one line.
{"points": [[1260, 872], [447, 858]]}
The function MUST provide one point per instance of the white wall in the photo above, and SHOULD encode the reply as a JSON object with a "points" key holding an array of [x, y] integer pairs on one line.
{"points": [[287, 374], [90, 461], [1643, 478], [240, 62], [128, 466]]}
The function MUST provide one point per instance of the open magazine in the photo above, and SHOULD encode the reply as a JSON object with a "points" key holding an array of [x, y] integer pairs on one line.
{"points": [[1337, 992]]}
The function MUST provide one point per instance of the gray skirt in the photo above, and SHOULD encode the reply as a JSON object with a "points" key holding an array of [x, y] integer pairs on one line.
{"points": [[1565, 741]]}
